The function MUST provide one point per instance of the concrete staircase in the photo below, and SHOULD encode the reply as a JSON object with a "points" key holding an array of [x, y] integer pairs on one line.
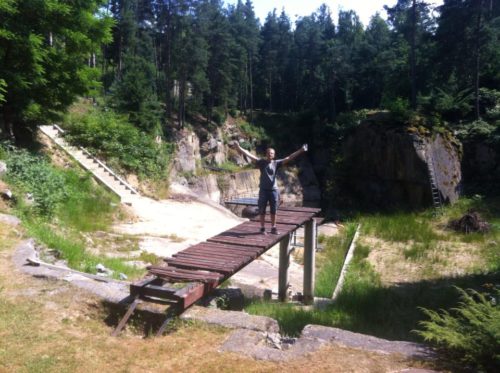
{"points": [[102, 173]]}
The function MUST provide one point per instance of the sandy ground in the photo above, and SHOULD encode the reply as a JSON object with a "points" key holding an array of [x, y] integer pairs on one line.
{"points": [[178, 224]]}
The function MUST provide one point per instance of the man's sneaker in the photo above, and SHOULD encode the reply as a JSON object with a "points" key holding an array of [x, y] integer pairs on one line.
{"points": [[262, 230], [274, 230]]}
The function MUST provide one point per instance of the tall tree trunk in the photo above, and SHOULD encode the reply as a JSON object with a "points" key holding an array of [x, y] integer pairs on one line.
{"points": [[8, 121], [333, 109], [250, 70], [181, 117], [413, 98], [270, 91], [477, 56]]}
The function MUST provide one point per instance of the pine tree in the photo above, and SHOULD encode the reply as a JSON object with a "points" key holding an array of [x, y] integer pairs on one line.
{"points": [[44, 53]]}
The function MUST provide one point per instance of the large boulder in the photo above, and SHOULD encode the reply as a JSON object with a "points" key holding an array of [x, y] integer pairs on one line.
{"points": [[390, 165], [213, 150]]}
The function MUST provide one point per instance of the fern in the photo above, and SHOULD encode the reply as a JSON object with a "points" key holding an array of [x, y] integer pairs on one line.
{"points": [[470, 333]]}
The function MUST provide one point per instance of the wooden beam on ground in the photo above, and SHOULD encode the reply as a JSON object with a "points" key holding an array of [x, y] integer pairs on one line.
{"points": [[125, 318]]}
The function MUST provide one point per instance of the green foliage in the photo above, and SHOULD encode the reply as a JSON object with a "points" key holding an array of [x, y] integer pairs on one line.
{"points": [[399, 108], [45, 46], [469, 333], [490, 101], [3, 90], [218, 116], [133, 94], [330, 261], [35, 175], [87, 207], [67, 195], [255, 133], [124, 146]]}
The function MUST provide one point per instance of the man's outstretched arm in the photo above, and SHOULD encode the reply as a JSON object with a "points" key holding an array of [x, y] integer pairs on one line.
{"points": [[294, 155], [237, 146]]}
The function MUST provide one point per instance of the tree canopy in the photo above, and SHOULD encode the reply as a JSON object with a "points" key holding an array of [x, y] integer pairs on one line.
{"points": [[160, 62]]}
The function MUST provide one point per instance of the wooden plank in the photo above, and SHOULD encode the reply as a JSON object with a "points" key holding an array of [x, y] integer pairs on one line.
{"points": [[216, 254], [125, 318], [218, 251], [159, 292], [208, 260], [184, 271], [199, 261], [192, 294], [181, 276], [241, 242], [193, 265], [314, 210], [232, 247], [293, 222]]}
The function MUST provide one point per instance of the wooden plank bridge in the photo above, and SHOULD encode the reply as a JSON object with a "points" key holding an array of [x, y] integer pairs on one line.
{"points": [[208, 264]]}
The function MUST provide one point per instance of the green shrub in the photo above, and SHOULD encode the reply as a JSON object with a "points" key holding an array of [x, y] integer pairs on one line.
{"points": [[399, 108], [68, 195], [255, 133], [35, 175], [470, 334], [125, 147], [218, 116]]}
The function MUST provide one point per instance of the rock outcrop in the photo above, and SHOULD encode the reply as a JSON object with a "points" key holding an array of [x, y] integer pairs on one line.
{"points": [[188, 151], [297, 183], [389, 165]]}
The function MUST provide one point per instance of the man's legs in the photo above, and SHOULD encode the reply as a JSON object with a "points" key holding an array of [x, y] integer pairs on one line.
{"points": [[263, 219], [262, 203], [273, 204]]}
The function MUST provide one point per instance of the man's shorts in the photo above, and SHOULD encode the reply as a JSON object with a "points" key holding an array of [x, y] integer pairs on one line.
{"points": [[271, 196]]}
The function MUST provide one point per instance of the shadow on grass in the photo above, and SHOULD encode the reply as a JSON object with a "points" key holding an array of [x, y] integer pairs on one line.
{"points": [[385, 312]]}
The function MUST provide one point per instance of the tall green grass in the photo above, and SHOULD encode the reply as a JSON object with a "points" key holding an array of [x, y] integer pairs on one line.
{"points": [[400, 227], [88, 207], [330, 261], [71, 248]]}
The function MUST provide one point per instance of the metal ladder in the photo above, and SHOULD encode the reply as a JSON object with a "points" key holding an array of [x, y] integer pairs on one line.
{"points": [[436, 195]]}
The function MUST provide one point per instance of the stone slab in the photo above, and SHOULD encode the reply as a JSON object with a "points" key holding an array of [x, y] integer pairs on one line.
{"points": [[231, 319], [9, 219], [366, 342]]}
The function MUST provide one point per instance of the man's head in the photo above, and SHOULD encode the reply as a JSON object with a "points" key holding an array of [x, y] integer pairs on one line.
{"points": [[270, 154]]}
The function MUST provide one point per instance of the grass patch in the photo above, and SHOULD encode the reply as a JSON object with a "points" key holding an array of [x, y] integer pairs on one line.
{"points": [[366, 305], [330, 261], [72, 249], [149, 258], [400, 227]]}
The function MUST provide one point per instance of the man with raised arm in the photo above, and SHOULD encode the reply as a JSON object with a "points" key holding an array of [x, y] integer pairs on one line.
{"points": [[268, 187]]}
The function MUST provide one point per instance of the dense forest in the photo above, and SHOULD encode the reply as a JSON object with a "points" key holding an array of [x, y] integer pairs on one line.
{"points": [[163, 61]]}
